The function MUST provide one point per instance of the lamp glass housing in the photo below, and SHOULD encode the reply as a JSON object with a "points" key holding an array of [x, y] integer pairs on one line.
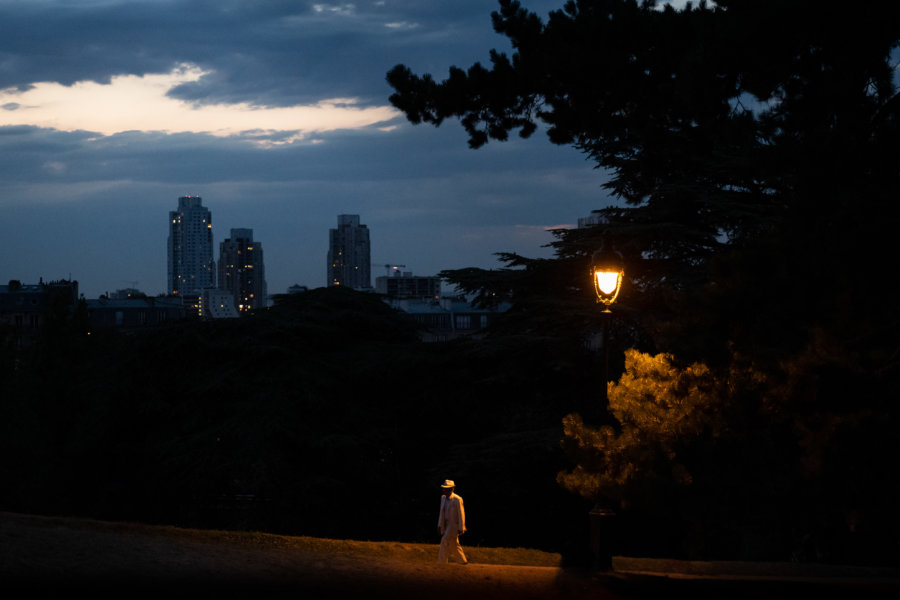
{"points": [[607, 274], [607, 285], [608, 281]]}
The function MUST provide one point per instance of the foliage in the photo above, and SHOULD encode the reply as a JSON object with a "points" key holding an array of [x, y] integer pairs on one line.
{"points": [[740, 465], [543, 300], [659, 409], [753, 172], [735, 153]]}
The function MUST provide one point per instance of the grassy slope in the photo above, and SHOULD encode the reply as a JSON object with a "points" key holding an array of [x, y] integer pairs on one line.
{"points": [[410, 552]]}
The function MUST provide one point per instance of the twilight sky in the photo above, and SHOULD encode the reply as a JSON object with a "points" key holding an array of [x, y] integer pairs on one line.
{"points": [[276, 112]]}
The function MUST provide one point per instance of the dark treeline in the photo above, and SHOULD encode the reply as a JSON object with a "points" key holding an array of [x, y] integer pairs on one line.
{"points": [[323, 415]]}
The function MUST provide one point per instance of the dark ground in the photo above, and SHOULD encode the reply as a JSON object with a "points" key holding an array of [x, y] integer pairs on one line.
{"points": [[56, 557]]}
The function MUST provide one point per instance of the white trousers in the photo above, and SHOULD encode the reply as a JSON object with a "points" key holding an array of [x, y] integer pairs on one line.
{"points": [[450, 550]]}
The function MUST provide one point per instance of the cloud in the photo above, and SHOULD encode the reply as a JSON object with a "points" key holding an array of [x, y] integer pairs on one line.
{"points": [[143, 103], [54, 166], [336, 9], [401, 25], [273, 52]]}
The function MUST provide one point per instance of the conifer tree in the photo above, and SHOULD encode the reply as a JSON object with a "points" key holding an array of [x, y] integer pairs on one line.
{"points": [[754, 154]]}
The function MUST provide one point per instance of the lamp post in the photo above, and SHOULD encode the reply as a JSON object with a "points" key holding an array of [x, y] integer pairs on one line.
{"points": [[607, 274]]}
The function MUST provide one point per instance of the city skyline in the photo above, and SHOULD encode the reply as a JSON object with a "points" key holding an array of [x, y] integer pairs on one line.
{"points": [[278, 116]]}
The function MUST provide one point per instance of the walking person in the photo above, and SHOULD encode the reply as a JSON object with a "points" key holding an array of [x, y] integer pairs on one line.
{"points": [[451, 524]]}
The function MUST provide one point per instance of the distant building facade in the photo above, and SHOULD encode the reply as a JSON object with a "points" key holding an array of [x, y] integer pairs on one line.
{"points": [[217, 304], [349, 254], [407, 285], [192, 268], [595, 218], [241, 270], [447, 318], [127, 293], [134, 312], [24, 308]]}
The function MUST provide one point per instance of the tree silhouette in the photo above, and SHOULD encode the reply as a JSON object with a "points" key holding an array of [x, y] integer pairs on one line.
{"points": [[748, 134], [754, 150]]}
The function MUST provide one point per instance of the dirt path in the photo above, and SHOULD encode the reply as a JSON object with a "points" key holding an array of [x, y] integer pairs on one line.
{"points": [[60, 558], [43, 554]]}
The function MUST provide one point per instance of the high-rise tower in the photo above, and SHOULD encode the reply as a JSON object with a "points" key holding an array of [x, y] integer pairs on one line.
{"points": [[241, 270], [349, 257], [191, 265]]}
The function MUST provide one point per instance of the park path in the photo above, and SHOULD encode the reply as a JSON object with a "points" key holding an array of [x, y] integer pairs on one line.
{"points": [[60, 558], [45, 554]]}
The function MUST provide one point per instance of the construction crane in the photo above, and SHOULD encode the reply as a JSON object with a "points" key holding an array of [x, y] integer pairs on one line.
{"points": [[389, 268]]}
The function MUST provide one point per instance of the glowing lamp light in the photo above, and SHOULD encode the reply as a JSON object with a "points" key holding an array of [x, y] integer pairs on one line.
{"points": [[607, 273], [608, 283]]}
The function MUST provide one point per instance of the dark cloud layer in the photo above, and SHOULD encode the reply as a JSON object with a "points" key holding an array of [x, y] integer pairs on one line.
{"points": [[266, 52]]}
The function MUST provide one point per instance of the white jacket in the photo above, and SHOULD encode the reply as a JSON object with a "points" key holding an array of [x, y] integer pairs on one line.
{"points": [[455, 516]]}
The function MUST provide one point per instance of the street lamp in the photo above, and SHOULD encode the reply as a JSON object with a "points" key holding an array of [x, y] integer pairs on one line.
{"points": [[607, 273]]}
